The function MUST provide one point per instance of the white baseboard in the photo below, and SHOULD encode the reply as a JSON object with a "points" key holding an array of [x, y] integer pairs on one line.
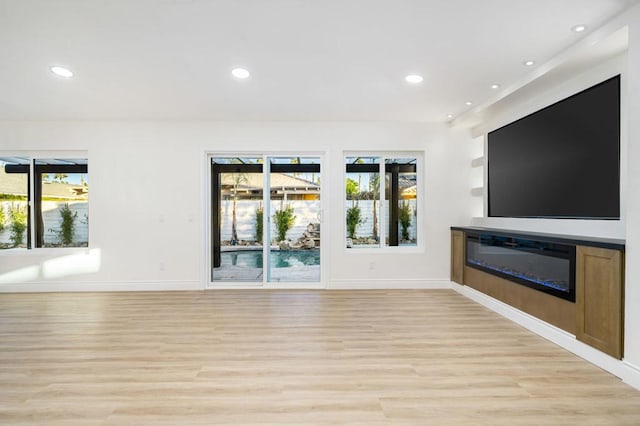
{"points": [[50, 287], [633, 377], [348, 284], [386, 284], [626, 371]]}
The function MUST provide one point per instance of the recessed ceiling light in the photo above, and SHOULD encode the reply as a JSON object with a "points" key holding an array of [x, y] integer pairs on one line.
{"points": [[495, 86], [240, 73], [414, 78], [61, 71], [468, 103], [449, 116], [529, 63], [579, 28]]}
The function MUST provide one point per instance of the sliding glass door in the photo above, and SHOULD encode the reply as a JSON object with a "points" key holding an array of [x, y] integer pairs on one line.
{"points": [[260, 236]]}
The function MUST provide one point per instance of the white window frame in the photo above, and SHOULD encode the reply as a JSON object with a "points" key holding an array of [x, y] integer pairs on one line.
{"points": [[420, 234], [41, 155], [208, 283]]}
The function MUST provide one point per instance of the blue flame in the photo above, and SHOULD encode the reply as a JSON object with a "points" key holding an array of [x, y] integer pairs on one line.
{"points": [[558, 285]]}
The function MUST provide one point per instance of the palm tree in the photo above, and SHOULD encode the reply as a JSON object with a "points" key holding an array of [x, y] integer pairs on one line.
{"points": [[374, 183], [237, 179], [60, 177], [295, 161], [359, 161], [352, 190]]}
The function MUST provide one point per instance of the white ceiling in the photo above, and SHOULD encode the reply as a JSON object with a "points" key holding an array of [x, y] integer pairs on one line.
{"points": [[310, 60]]}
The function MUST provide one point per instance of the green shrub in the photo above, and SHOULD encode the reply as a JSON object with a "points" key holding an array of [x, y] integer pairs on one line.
{"points": [[67, 227], [404, 216], [284, 220], [18, 217], [354, 219], [11, 197], [259, 223], [3, 218]]}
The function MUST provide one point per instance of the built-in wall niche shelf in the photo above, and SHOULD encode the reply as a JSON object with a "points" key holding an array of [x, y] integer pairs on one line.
{"points": [[477, 162], [478, 191]]}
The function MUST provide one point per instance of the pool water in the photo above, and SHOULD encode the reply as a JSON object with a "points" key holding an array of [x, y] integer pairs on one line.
{"points": [[279, 259]]}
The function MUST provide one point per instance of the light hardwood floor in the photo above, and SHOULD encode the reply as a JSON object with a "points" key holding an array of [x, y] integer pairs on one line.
{"points": [[289, 357]]}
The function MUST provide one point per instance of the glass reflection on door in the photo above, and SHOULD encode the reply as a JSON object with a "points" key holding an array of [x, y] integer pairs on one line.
{"points": [[294, 192], [237, 186]]}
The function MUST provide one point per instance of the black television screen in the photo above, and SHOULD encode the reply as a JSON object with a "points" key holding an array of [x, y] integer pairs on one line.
{"points": [[560, 162]]}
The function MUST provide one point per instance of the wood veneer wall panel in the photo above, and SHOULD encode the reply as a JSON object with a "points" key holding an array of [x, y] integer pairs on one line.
{"points": [[551, 309]]}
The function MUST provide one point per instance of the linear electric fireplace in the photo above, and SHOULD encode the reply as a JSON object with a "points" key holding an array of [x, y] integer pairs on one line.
{"points": [[544, 266]]}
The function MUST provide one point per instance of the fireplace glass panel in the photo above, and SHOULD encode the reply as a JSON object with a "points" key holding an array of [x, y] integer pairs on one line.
{"points": [[541, 265]]}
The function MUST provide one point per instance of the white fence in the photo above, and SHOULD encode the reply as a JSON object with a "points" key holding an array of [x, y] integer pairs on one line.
{"points": [[52, 221], [306, 212], [365, 230]]}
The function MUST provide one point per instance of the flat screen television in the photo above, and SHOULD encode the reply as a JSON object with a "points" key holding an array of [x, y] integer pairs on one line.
{"points": [[562, 161]]}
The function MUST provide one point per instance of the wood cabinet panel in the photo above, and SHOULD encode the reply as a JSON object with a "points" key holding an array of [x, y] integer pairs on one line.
{"points": [[599, 296], [457, 257]]}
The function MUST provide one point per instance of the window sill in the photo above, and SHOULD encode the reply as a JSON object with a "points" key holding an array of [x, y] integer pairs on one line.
{"points": [[385, 250], [44, 251]]}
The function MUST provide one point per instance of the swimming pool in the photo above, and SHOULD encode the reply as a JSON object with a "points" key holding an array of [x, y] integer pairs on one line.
{"points": [[278, 259]]}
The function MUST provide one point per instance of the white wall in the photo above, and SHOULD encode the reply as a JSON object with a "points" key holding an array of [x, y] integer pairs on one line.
{"points": [[147, 227], [632, 274]]}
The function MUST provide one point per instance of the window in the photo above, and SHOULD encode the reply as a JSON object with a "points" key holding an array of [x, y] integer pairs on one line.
{"points": [[44, 202], [367, 205]]}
